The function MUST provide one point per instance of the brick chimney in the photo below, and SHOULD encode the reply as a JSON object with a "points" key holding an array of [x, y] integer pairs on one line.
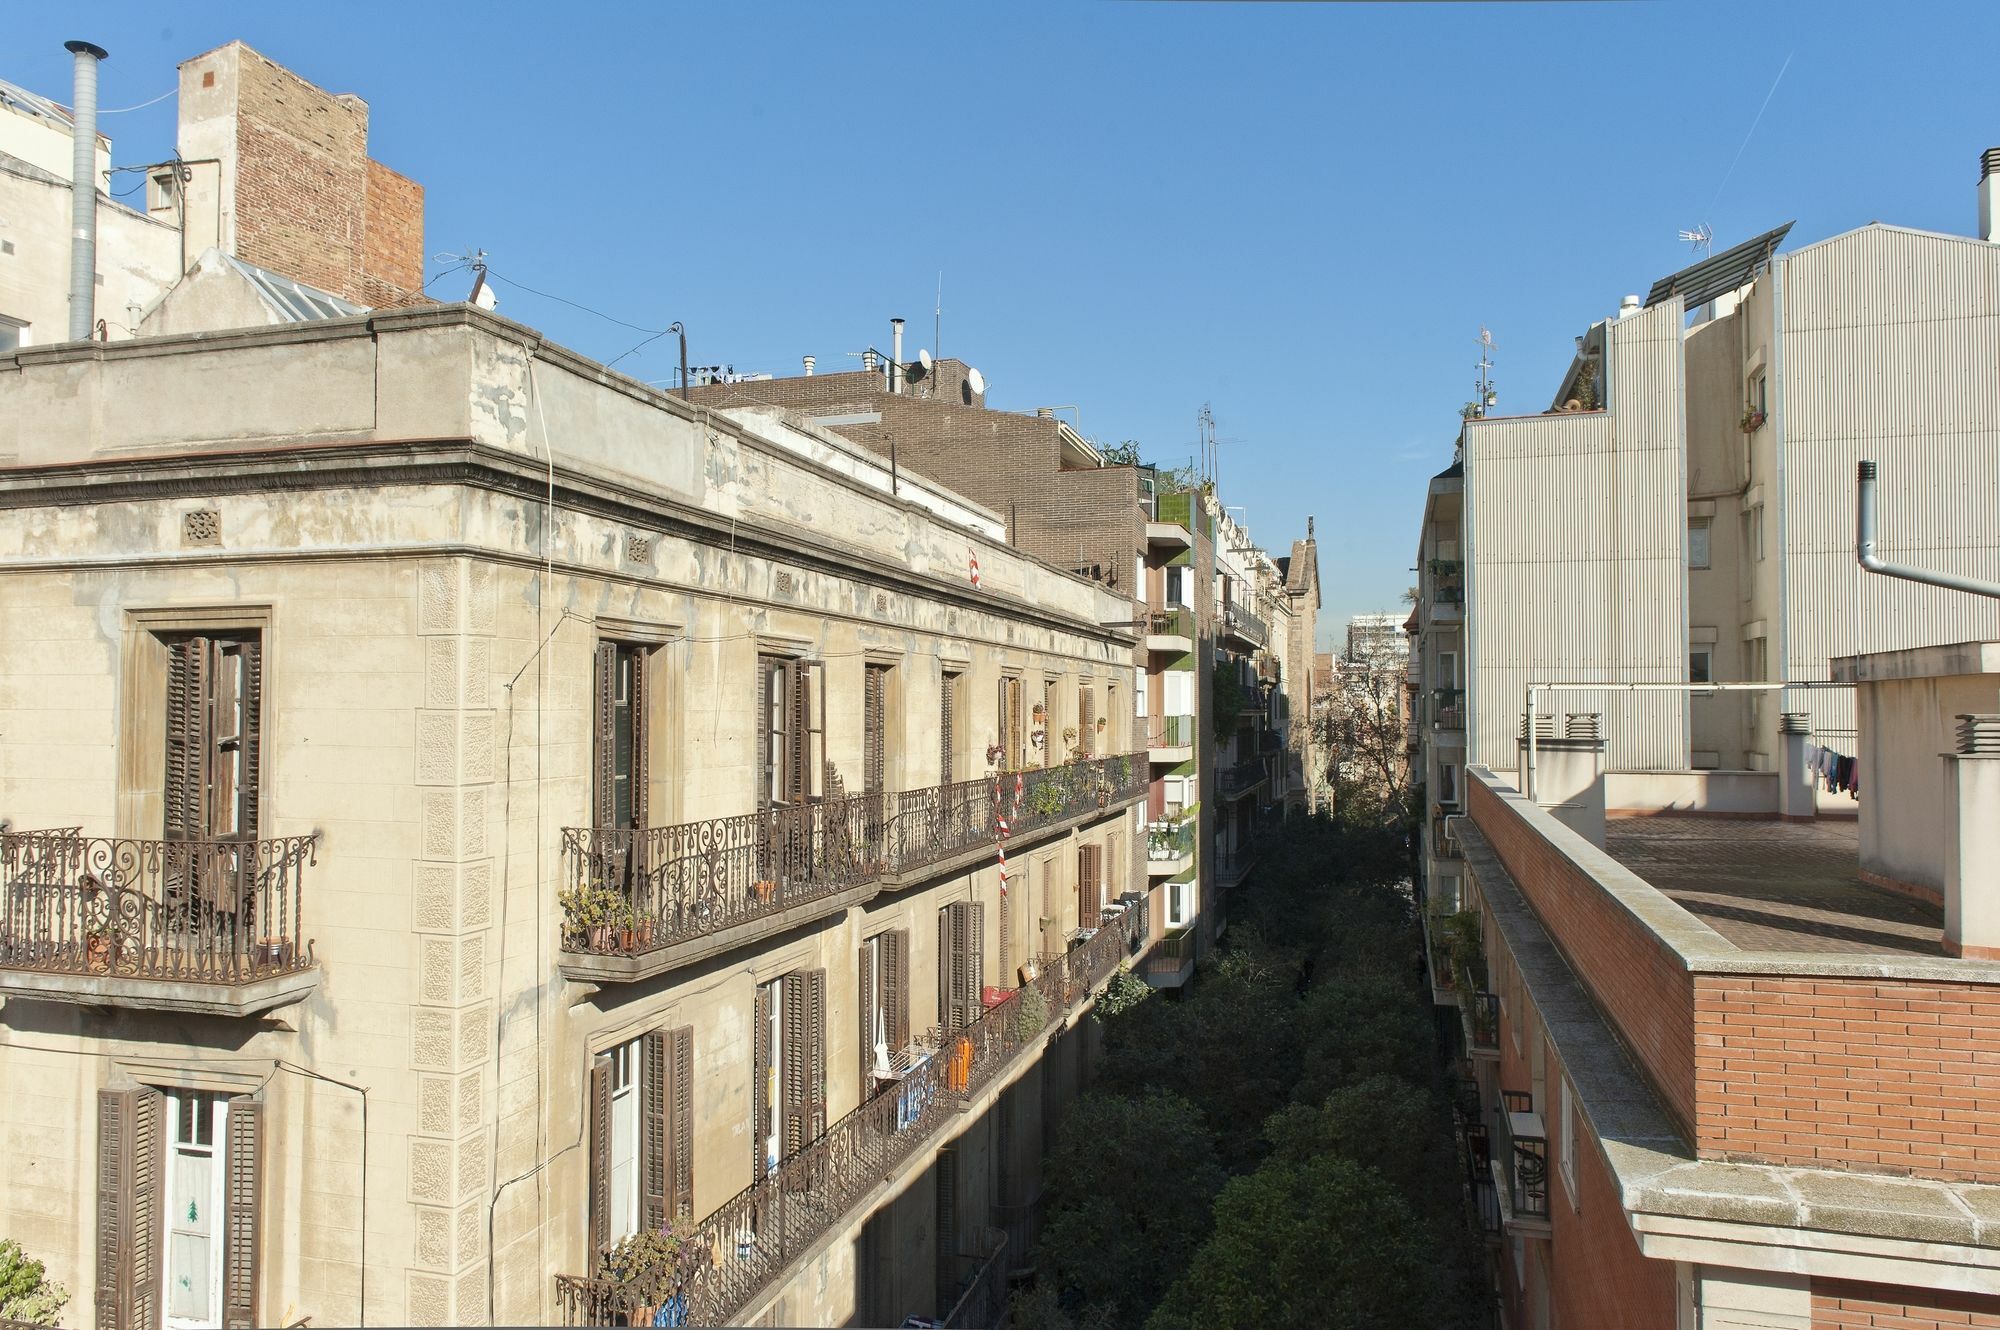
{"points": [[293, 188]]}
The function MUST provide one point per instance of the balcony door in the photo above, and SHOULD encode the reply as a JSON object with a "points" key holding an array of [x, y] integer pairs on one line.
{"points": [[1013, 733], [620, 747], [787, 1067], [214, 706], [791, 749], [641, 1135]]}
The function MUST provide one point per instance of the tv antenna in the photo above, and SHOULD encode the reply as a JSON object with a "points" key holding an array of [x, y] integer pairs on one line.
{"points": [[1485, 396], [1701, 238], [1205, 430]]}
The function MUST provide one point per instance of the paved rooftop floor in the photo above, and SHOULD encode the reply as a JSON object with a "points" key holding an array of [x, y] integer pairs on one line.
{"points": [[1775, 886]]}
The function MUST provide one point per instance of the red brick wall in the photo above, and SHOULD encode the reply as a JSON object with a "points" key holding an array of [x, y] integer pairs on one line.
{"points": [[1882, 1076], [1840, 1304], [1597, 1276], [1637, 981], [392, 255]]}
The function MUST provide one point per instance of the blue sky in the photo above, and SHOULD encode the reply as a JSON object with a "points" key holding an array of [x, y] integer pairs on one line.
{"points": [[1298, 214]]}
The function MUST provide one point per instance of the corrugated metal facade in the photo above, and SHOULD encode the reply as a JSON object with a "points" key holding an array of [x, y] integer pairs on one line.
{"points": [[1890, 351], [1574, 534]]}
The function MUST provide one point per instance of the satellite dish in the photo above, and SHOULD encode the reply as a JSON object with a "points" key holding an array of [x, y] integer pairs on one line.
{"points": [[975, 380], [924, 359]]}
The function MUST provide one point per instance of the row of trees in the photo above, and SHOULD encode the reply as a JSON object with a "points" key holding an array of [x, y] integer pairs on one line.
{"points": [[1274, 1146]]}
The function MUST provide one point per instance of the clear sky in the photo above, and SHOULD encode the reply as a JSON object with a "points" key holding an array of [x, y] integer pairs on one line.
{"points": [[1299, 214]]}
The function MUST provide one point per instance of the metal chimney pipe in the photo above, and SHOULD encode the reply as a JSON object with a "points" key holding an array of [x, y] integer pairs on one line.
{"points": [[1989, 195], [1864, 546], [83, 191], [895, 354], [810, 362]]}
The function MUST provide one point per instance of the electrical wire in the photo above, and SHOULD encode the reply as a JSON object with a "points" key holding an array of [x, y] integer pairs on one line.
{"points": [[635, 327], [121, 110]]}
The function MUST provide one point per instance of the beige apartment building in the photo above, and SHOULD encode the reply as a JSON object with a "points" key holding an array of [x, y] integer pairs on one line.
{"points": [[460, 808]]}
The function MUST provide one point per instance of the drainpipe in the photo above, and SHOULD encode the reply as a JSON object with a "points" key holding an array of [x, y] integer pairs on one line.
{"points": [[1864, 547], [83, 191]]}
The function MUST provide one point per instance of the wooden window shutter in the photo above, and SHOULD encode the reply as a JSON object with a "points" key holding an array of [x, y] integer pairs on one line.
{"points": [[250, 786], [1089, 880], [947, 719], [963, 971], [242, 1216], [975, 959], [896, 985], [654, 1160], [187, 784], [869, 950], [131, 1156], [946, 1235], [815, 1122], [1086, 721], [950, 933], [642, 739], [811, 676], [680, 1105], [761, 1107], [875, 728], [793, 1074], [600, 1158], [766, 770], [604, 806]]}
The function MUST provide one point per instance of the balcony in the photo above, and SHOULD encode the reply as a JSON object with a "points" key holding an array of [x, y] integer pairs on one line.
{"points": [[1170, 630], [1245, 627], [1475, 1151], [1177, 519], [641, 901], [1169, 739], [1447, 589], [1437, 954], [1171, 963], [1479, 1014], [1448, 708], [1442, 845], [1236, 781], [736, 1253], [185, 925], [1521, 1165], [1233, 865], [1170, 846]]}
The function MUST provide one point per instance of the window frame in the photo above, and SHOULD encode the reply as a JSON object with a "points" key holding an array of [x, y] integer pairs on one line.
{"points": [[218, 1232], [1701, 532], [1566, 1146], [1706, 672]]}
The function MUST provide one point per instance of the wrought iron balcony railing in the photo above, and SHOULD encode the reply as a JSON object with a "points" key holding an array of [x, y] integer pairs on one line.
{"points": [[1175, 622], [1521, 1156], [1243, 624], [1239, 780], [1448, 708], [1480, 1013], [1443, 846], [735, 1253], [192, 911], [1169, 842], [637, 890]]}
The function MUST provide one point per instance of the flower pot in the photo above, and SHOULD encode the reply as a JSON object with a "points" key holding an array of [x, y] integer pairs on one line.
{"points": [[97, 953], [272, 953], [765, 890], [627, 938], [640, 1315], [600, 937], [645, 932]]}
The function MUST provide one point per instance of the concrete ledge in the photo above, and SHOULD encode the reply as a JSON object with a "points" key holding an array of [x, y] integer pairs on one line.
{"points": [[207, 998], [589, 967]]}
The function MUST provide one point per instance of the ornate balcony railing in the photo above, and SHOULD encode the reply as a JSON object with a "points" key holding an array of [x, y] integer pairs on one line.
{"points": [[201, 911], [634, 891], [1448, 708], [1244, 624], [746, 1243], [1239, 780]]}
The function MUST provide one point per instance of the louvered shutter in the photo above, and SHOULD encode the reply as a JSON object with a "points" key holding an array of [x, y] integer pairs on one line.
{"points": [[131, 1156], [875, 728], [250, 786], [869, 950], [896, 985], [793, 1075], [956, 971], [1087, 886], [241, 1219], [680, 1132], [654, 1161], [1086, 721], [642, 738], [600, 1158], [947, 722], [604, 808], [947, 967], [946, 1228], [186, 794], [761, 1107], [766, 768], [812, 728], [815, 1116], [975, 958]]}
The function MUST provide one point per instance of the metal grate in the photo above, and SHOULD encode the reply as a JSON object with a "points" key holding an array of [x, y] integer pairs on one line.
{"points": [[203, 526]]}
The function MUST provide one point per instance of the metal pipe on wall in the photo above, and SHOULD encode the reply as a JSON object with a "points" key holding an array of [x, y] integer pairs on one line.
{"points": [[1864, 546], [83, 191]]}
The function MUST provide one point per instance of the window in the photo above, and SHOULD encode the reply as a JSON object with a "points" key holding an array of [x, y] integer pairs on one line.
{"points": [[1013, 735], [885, 1004], [1089, 885], [620, 747], [214, 705], [1177, 903], [1447, 786], [947, 727], [788, 1066], [641, 1135], [178, 1189], [1447, 669], [1566, 1158], [961, 963], [13, 334], [1698, 542], [1753, 533], [1701, 665], [874, 728], [1086, 720], [791, 718], [1177, 581], [1760, 400]]}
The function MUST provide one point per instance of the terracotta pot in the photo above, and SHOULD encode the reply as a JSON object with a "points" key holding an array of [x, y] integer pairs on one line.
{"points": [[97, 953], [600, 937], [645, 932], [765, 890], [626, 937]]}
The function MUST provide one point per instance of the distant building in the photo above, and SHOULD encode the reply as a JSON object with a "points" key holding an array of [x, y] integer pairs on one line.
{"points": [[1376, 640]]}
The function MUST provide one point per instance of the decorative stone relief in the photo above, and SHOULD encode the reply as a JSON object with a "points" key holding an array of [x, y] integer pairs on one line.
{"points": [[435, 902], [471, 1093], [436, 963], [474, 1030], [478, 741], [480, 597], [433, 1237], [472, 1298], [203, 526], [437, 598], [472, 824], [430, 1300], [478, 672], [434, 1105], [475, 896], [441, 672], [438, 818], [472, 968], [437, 748], [431, 1170], [431, 1034], [472, 1165]]}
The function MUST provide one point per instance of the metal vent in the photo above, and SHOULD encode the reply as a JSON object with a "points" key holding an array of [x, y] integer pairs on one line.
{"points": [[638, 549], [1979, 735], [203, 526]]}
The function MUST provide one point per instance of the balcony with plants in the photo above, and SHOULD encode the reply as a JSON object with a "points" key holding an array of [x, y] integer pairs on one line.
{"points": [[1447, 586], [715, 1271], [209, 925], [637, 901], [1448, 708], [1170, 629], [1170, 844]]}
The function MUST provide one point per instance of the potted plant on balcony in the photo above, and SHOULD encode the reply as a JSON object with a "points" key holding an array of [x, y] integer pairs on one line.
{"points": [[647, 1270], [1032, 1014], [765, 888], [1753, 420], [96, 923], [1046, 799], [589, 915]]}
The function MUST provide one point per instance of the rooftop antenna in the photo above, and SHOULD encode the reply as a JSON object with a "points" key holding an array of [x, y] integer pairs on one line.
{"points": [[1205, 429], [1485, 394], [937, 318], [1701, 238]]}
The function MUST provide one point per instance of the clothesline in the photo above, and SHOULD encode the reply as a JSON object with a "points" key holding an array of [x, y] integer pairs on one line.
{"points": [[1833, 770]]}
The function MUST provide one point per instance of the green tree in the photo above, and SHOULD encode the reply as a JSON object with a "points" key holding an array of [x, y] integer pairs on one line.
{"points": [[1130, 1183], [27, 1294], [1324, 1242], [1362, 1024]]}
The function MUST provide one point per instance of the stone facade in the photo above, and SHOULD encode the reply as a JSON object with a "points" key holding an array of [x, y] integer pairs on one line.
{"points": [[431, 520]]}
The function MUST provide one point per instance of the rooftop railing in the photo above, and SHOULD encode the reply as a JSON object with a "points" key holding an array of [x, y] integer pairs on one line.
{"points": [[735, 1253], [633, 891], [202, 911]]}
